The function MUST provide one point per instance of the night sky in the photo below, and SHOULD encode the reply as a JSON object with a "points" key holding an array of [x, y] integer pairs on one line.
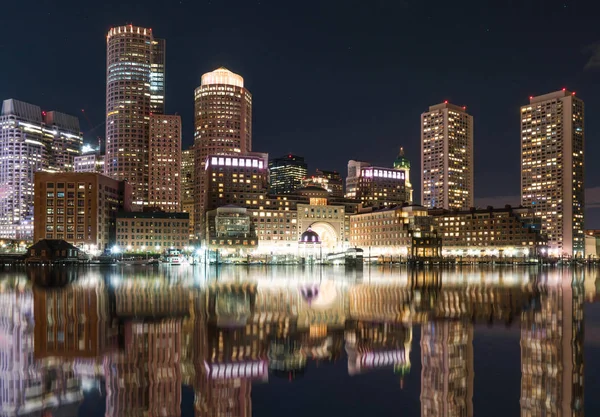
{"points": [[331, 80]]}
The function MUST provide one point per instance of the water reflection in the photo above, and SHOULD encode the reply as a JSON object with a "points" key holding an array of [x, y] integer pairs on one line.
{"points": [[137, 335]]}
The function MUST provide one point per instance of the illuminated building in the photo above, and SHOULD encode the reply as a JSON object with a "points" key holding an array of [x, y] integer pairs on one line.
{"points": [[72, 322], [327, 221], [230, 227], [152, 231], [164, 180], [79, 207], [552, 357], [237, 180], [146, 377], [223, 126], [402, 231], [380, 187], [552, 175], [134, 72], [157, 77], [402, 163], [447, 372], [329, 180], [500, 232], [354, 171], [30, 141], [90, 160], [187, 185], [286, 174], [447, 157]]}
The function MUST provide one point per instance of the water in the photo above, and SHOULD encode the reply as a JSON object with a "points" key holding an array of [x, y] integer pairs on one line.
{"points": [[294, 341]]}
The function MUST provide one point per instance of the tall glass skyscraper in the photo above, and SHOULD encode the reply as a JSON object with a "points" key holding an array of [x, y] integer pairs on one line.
{"points": [[286, 174], [31, 140], [134, 89]]}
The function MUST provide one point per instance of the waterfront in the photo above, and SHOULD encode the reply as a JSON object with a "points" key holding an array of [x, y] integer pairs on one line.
{"points": [[268, 341]]}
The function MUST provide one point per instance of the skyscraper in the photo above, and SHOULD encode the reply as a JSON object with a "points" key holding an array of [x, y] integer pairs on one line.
{"points": [[447, 157], [223, 126], [133, 74], [286, 174], [552, 178], [164, 189], [157, 77], [187, 184], [30, 141]]}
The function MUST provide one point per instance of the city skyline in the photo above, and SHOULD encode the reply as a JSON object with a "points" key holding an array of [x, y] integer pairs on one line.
{"points": [[486, 80]]}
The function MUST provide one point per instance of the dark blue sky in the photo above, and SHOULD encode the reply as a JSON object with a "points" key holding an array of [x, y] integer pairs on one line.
{"points": [[331, 80]]}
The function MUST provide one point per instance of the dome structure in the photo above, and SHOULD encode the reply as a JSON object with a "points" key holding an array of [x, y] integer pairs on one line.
{"points": [[310, 236], [401, 162]]}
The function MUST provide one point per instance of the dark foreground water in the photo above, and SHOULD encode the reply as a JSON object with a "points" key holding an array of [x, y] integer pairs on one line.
{"points": [[242, 341]]}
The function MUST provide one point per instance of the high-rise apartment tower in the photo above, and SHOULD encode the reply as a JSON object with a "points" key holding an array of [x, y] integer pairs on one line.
{"points": [[552, 174], [447, 157]]}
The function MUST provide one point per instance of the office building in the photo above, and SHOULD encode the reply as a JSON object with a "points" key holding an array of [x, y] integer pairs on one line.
{"points": [[130, 78], [187, 184], [552, 173], [286, 174], [90, 160], [500, 232], [157, 77], [329, 180], [354, 170], [79, 207], [164, 180], [381, 187], [31, 140], [152, 231], [238, 180], [447, 157], [223, 126]]}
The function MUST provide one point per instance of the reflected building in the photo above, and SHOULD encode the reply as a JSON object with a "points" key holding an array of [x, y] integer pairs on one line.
{"points": [[447, 373], [73, 322], [552, 352], [373, 345], [29, 387], [145, 379]]}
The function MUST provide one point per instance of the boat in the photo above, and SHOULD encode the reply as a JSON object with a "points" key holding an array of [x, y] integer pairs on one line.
{"points": [[174, 257]]}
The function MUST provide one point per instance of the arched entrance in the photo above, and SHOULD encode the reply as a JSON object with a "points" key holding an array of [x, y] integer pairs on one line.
{"points": [[327, 234]]}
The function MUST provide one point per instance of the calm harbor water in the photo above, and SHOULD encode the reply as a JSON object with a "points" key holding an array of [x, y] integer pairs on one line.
{"points": [[272, 341]]}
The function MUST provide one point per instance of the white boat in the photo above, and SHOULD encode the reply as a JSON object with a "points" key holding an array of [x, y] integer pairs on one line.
{"points": [[174, 257]]}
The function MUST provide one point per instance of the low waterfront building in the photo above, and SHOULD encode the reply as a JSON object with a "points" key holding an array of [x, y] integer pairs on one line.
{"points": [[152, 231], [230, 228], [399, 231], [495, 232], [79, 207], [52, 250]]}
